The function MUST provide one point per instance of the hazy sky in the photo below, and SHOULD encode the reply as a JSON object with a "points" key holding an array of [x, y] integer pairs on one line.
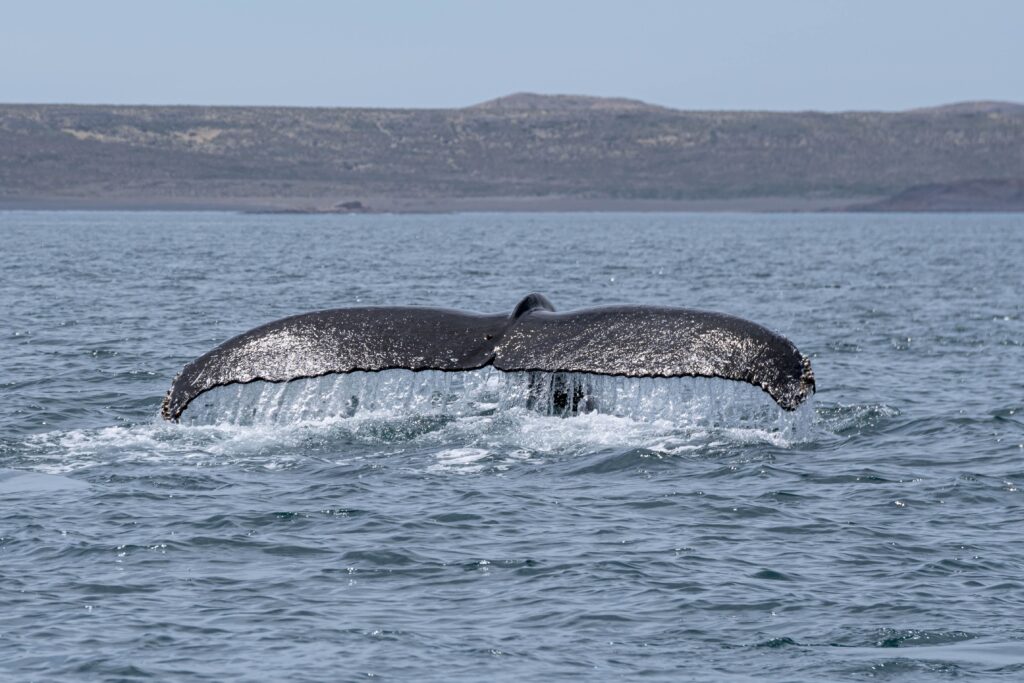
{"points": [[717, 54]]}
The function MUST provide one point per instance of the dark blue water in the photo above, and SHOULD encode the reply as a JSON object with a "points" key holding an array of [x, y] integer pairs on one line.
{"points": [[877, 536]]}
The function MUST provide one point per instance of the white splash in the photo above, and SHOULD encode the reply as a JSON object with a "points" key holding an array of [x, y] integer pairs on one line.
{"points": [[486, 420]]}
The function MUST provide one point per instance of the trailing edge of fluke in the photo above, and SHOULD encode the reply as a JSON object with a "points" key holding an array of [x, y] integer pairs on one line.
{"points": [[630, 341]]}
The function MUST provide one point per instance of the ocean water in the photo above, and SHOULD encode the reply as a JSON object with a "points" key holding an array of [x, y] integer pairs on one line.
{"points": [[437, 531]]}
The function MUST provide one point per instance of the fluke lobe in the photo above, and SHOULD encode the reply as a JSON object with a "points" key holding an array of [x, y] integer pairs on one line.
{"points": [[631, 341]]}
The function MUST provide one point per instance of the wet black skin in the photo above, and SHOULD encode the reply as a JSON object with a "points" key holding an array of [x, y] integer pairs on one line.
{"points": [[629, 341]]}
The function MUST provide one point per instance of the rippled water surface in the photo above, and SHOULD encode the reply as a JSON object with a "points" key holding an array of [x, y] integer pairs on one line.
{"points": [[444, 533]]}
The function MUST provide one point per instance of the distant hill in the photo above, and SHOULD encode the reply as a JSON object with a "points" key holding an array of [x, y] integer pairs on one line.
{"points": [[534, 102], [967, 195], [580, 151], [979, 107]]}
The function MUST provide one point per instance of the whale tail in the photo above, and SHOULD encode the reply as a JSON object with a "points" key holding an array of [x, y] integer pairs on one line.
{"points": [[627, 341]]}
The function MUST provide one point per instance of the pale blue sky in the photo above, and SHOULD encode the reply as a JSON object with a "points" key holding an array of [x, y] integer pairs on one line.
{"points": [[721, 54]]}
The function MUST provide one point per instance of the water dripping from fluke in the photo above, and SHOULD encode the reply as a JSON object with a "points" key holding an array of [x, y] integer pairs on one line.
{"points": [[488, 392]]}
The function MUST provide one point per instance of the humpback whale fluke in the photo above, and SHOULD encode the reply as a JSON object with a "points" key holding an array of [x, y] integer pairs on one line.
{"points": [[630, 341]]}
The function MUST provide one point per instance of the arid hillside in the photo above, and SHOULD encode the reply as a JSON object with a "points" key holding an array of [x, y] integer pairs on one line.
{"points": [[520, 146]]}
